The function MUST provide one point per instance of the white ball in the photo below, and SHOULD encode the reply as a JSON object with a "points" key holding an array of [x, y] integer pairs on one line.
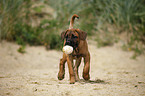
{"points": [[67, 49]]}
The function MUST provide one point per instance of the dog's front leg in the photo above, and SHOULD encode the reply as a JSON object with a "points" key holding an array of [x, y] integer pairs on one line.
{"points": [[70, 67], [62, 67], [86, 69]]}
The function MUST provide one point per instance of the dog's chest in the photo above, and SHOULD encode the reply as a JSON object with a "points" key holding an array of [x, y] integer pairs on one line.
{"points": [[76, 55]]}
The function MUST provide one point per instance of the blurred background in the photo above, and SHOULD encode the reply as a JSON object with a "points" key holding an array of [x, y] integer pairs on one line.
{"points": [[40, 22]]}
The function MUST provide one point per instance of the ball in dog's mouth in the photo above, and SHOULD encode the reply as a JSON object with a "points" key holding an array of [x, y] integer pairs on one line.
{"points": [[67, 49]]}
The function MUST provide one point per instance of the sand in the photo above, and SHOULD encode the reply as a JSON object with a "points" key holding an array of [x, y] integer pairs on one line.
{"points": [[34, 73]]}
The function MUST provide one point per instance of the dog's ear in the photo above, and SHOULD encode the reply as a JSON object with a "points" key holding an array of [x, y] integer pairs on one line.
{"points": [[63, 35], [82, 34]]}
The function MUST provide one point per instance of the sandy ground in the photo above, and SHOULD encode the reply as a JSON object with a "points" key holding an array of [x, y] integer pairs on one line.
{"points": [[34, 73]]}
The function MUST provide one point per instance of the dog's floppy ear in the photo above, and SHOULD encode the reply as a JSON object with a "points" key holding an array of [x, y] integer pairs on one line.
{"points": [[82, 34], [63, 35]]}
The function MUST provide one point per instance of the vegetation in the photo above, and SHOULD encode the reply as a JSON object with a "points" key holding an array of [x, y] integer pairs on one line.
{"points": [[106, 20]]}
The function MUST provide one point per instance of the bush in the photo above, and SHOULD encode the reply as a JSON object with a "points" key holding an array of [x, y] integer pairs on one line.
{"points": [[16, 25], [25, 34], [123, 16], [103, 19], [9, 14]]}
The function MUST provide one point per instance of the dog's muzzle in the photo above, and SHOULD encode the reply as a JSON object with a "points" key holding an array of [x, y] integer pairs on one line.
{"points": [[71, 43]]}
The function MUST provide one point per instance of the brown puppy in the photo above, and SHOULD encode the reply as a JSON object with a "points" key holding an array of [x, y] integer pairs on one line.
{"points": [[77, 39]]}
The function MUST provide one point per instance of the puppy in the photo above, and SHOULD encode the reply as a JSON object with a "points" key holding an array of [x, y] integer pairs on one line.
{"points": [[77, 39]]}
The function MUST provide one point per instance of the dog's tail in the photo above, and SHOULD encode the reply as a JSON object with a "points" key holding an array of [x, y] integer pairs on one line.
{"points": [[72, 20]]}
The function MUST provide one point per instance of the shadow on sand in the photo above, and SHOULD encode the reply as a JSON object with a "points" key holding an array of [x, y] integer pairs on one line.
{"points": [[99, 81]]}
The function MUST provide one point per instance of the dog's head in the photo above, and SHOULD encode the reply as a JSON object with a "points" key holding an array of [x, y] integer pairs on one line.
{"points": [[72, 37]]}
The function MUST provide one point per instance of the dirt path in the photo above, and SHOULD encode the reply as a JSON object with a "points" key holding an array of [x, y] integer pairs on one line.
{"points": [[34, 73]]}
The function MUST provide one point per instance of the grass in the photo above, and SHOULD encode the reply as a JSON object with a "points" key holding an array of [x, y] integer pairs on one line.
{"points": [[9, 13], [124, 16], [15, 25], [104, 19]]}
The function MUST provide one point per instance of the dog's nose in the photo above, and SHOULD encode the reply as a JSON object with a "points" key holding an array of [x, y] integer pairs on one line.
{"points": [[67, 43]]}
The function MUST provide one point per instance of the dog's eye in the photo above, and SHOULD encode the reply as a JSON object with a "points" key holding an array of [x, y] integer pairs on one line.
{"points": [[73, 36]]}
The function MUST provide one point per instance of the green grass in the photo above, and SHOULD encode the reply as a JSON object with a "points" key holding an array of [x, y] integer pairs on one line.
{"points": [[9, 13], [103, 19], [16, 26], [123, 16]]}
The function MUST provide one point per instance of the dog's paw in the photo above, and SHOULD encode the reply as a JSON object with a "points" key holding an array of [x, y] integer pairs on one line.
{"points": [[72, 82], [60, 76], [86, 76]]}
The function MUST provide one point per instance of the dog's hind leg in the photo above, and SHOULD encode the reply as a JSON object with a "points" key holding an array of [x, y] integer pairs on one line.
{"points": [[62, 67], [86, 69]]}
